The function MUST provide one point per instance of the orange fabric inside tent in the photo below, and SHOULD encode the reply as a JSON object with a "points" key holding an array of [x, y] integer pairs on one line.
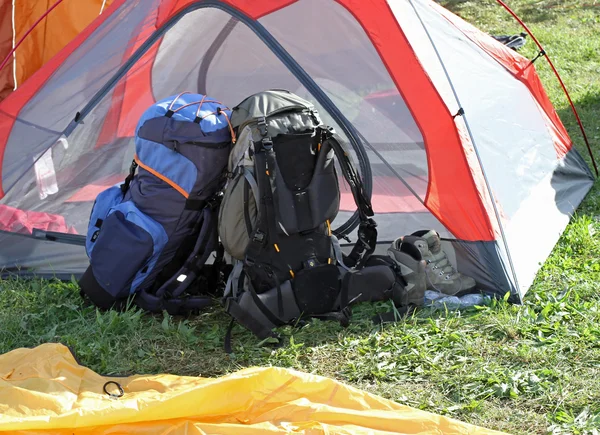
{"points": [[46, 39]]}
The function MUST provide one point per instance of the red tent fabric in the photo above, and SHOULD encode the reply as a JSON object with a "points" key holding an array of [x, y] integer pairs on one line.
{"points": [[23, 221]]}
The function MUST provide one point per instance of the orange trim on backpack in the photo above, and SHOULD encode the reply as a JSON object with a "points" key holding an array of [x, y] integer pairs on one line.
{"points": [[170, 182]]}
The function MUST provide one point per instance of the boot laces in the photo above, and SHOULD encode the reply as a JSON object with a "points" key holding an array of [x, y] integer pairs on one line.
{"points": [[444, 266]]}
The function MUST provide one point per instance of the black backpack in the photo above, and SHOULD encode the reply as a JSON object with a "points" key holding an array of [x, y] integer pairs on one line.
{"points": [[275, 217]]}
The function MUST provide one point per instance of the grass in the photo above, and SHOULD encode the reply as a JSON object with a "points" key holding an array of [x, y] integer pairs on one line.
{"points": [[529, 369]]}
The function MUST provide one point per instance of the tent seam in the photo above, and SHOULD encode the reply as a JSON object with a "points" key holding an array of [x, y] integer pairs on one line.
{"points": [[417, 122], [520, 76], [501, 227], [414, 118]]}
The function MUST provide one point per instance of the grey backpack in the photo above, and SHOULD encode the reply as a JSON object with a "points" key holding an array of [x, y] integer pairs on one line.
{"points": [[275, 217]]}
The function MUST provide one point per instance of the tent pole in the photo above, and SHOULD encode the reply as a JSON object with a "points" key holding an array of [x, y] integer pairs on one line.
{"points": [[487, 183], [303, 77], [562, 84], [39, 20], [211, 53], [14, 41]]}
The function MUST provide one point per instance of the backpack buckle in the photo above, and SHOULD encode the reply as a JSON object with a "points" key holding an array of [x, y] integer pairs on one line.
{"points": [[367, 234], [364, 238], [213, 203], [267, 144], [314, 114], [259, 237], [262, 125]]}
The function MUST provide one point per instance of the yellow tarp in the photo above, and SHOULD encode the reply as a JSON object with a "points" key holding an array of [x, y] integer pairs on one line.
{"points": [[45, 389]]}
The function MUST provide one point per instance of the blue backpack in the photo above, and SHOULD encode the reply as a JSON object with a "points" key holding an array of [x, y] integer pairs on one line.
{"points": [[152, 235]]}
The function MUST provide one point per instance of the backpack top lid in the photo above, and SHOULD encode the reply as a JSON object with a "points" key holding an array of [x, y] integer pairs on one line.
{"points": [[268, 103], [185, 107]]}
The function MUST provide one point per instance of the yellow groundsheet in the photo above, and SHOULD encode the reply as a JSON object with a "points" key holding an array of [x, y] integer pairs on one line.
{"points": [[44, 390]]}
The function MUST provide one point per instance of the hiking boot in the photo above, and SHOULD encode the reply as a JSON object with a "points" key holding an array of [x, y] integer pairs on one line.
{"points": [[412, 268], [440, 273]]}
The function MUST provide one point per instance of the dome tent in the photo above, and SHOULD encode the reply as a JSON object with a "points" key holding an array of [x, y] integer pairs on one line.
{"points": [[454, 130]]}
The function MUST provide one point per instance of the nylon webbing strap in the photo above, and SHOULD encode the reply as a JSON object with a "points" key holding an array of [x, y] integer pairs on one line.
{"points": [[232, 286], [337, 249], [367, 230], [265, 231], [356, 186], [250, 184], [269, 175], [195, 204], [258, 239], [206, 242], [244, 318], [365, 245], [129, 179], [263, 308]]}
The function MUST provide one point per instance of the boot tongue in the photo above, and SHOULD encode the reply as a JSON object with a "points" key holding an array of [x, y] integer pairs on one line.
{"points": [[418, 243], [433, 241]]}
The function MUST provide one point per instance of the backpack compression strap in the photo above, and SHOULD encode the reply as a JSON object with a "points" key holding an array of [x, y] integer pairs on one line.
{"points": [[266, 226], [367, 229], [170, 295], [129, 179], [266, 230]]}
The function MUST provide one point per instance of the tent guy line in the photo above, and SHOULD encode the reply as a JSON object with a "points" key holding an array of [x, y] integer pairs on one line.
{"points": [[544, 53]]}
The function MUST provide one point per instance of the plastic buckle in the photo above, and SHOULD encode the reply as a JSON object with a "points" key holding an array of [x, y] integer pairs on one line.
{"points": [[95, 236], [262, 125], [267, 144], [212, 203], [363, 238], [237, 171], [259, 237], [314, 114]]}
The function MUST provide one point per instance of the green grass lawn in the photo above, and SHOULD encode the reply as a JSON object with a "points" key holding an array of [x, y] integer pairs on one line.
{"points": [[529, 369]]}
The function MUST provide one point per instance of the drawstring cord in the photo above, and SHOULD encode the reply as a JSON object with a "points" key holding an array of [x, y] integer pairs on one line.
{"points": [[219, 111]]}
